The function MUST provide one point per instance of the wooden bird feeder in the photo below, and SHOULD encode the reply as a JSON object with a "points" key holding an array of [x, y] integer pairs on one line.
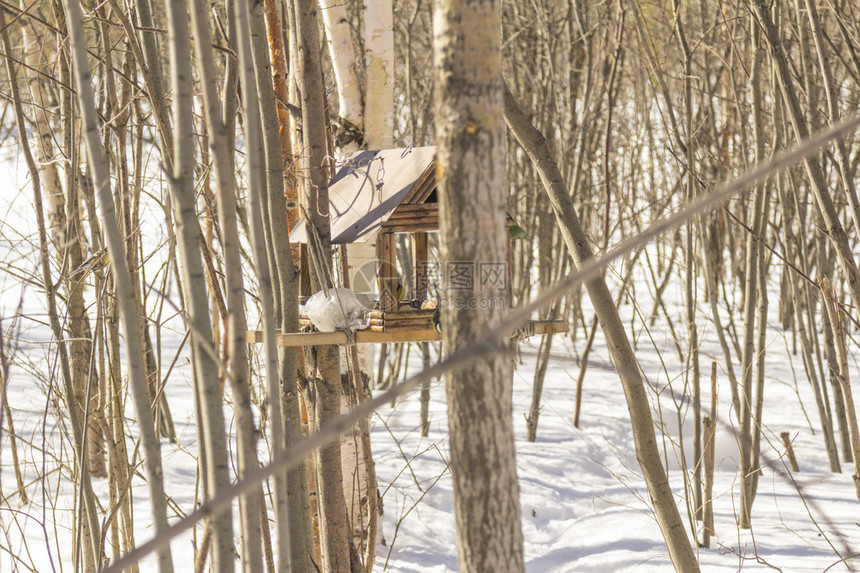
{"points": [[381, 194]]}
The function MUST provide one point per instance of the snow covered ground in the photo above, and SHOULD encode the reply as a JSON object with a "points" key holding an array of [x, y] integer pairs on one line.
{"points": [[584, 504]]}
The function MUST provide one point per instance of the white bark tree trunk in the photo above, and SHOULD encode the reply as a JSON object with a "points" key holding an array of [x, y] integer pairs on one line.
{"points": [[379, 50], [379, 54], [343, 62]]}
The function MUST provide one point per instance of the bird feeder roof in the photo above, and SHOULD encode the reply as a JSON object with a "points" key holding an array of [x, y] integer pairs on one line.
{"points": [[369, 187]]}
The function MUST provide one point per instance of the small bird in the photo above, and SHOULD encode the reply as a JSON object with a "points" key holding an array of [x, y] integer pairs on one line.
{"points": [[437, 324], [516, 232], [99, 259]]}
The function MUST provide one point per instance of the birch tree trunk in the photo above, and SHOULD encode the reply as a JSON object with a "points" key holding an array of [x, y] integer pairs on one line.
{"points": [[67, 238], [376, 119], [470, 137], [379, 54], [350, 120]]}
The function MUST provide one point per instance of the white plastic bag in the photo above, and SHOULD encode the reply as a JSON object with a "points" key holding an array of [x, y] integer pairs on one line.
{"points": [[340, 309]]}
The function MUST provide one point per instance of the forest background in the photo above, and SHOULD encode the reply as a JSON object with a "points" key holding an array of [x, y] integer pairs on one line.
{"points": [[150, 174]]}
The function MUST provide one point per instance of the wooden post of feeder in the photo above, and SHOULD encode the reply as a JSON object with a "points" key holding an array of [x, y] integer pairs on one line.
{"points": [[386, 249], [304, 272], [420, 246]]}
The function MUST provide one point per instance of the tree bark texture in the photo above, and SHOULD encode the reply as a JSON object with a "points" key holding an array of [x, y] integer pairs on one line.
{"points": [[324, 388], [471, 147], [379, 54], [284, 207], [345, 68]]}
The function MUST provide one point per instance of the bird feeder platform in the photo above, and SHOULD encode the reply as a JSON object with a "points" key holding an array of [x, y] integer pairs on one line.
{"points": [[377, 334], [381, 194], [407, 319]]}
